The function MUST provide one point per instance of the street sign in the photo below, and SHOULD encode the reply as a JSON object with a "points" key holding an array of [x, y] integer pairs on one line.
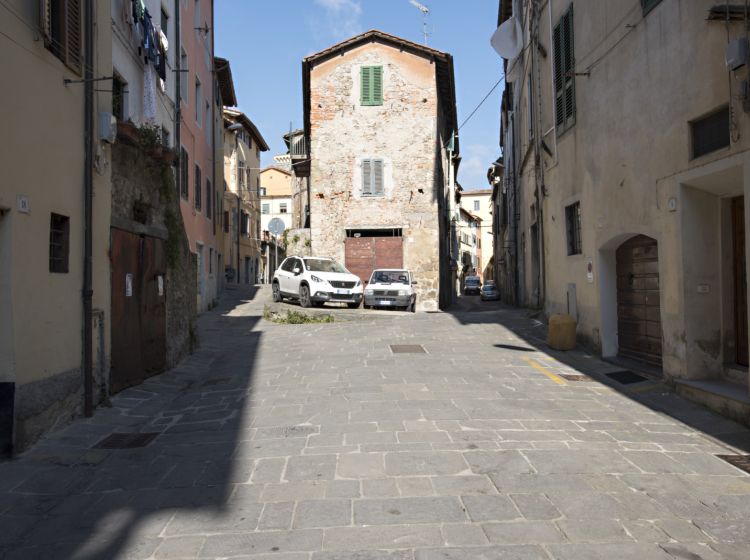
{"points": [[276, 226]]}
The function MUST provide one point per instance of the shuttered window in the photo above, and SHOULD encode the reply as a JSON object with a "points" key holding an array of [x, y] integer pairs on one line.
{"points": [[198, 188], [564, 68], [184, 167], [60, 24], [371, 85], [372, 177], [573, 228]]}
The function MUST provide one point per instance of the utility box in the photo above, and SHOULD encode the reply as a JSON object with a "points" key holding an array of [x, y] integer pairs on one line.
{"points": [[561, 332], [736, 53]]}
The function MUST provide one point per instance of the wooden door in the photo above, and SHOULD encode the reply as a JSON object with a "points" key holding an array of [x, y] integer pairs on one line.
{"points": [[365, 254], [638, 300], [740, 280]]}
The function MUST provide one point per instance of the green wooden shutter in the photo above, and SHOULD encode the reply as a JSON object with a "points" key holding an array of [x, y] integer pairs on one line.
{"points": [[377, 177], [73, 35], [371, 85], [366, 177], [365, 80], [377, 85]]}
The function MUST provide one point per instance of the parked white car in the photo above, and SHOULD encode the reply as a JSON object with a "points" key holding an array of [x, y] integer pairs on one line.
{"points": [[315, 281], [391, 287]]}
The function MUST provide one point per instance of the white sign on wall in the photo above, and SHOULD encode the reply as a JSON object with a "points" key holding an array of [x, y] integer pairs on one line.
{"points": [[128, 285]]}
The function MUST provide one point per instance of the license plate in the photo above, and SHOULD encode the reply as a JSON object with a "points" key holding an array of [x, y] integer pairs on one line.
{"points": [[340, 291], [384, 302]]}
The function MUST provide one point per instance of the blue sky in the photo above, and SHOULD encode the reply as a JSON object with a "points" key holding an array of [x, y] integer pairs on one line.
{"points": [[266, 40]]}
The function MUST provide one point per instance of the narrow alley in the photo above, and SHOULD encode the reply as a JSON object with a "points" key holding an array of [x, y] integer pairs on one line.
{"points": [[385, 436]]}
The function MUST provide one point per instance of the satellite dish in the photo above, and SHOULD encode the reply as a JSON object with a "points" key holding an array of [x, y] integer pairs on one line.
{"points": [[507, 40], [276, 226]]}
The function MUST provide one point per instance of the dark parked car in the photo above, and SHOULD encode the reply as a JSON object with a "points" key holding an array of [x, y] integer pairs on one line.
{"points": [[472, 285], [489, 291]]}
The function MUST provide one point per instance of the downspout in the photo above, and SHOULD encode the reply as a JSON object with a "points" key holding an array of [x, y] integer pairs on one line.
{"points": [[178, 99], [88, 132], [212, 217], [538, 167]]}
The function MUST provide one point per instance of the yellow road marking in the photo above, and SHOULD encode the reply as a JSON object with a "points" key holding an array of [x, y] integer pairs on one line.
{"points": [[545, 371]]}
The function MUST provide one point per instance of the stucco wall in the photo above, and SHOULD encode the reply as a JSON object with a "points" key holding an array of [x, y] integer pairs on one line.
{"points": [[402, 132]]}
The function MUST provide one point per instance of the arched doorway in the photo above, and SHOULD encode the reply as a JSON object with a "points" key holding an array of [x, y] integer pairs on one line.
{"points": [[639, 333]]}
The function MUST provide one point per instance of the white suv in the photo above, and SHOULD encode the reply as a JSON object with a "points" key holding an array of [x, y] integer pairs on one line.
{"points": [[316, 280]]}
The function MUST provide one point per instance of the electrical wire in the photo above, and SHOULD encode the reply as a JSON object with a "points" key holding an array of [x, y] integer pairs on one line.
{"points": [[482, 101]]}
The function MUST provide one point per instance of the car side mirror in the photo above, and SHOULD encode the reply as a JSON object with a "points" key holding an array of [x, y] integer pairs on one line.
{"points": [[413, 282]]}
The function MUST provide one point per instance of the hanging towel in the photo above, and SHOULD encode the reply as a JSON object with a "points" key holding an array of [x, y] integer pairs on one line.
{"points": [[163, 40], [149, 94]]}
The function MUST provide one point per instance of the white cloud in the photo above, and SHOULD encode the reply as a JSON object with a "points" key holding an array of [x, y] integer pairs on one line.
{"points": [[341, 19], [472, 174]]}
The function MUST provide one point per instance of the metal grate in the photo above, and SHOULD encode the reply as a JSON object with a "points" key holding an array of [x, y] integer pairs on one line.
{"points": [[575, 377], [625, 377], [126, 441], [742, 462], [408, 349]]}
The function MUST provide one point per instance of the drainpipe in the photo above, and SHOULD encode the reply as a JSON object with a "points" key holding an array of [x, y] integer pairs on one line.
{"points": [[88, 126], [538, 162], [177, 98]]}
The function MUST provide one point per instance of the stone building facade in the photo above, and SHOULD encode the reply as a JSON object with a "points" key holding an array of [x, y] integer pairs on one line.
{"points": [[626, 152], [379, 113]]}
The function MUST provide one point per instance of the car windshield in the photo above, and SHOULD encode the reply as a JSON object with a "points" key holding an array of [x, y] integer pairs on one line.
{"points": [[488, 288], [389, 277], [472, 282], [324, 265]]}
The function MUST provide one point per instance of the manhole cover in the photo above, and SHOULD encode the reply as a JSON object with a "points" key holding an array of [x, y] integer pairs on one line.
{"points": [[575, 377], [625, 377], [215, 381], [742, 462], [126, 441], [408, 349]]}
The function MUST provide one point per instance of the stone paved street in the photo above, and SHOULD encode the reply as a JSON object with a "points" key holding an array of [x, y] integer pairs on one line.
{"points": [[317, 442]]}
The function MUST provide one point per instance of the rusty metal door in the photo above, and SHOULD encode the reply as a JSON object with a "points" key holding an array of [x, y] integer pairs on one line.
{"points": [[138, 308], [365, 254], [638, 300]]}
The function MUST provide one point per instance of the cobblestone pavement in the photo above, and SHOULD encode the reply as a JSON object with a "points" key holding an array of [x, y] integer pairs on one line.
{"points": [[318, 442]]}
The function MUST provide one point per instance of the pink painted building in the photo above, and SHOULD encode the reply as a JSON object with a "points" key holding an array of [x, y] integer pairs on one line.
{"points": [[198, 180]]}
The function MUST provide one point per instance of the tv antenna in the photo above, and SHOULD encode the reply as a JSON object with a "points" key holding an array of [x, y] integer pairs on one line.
{"points": [[425, 12]]}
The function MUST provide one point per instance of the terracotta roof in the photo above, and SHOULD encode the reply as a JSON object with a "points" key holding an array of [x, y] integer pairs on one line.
{"points": [[277, 168], [239, 116], [477, 192], [472, 216], [443, 70], [226, 83]]}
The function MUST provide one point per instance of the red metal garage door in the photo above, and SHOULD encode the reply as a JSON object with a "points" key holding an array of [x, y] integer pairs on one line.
{"points": [[365, 254]]}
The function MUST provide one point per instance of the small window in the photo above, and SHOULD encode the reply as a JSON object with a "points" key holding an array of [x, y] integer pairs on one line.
{"points": [[262, 191], [648, 5], [573, 227], [197, 14], [282, 208], [60, 23], [59, 243], [710, 133], [241, 173], [184, 167], [184, 68], [198, 112], [372, 177], [226, 222], [210, 260], [371, 85], [164, 22], [209, 198], [476, 205], [119, 98], [265, 208], [244, 223], [198, 188]]}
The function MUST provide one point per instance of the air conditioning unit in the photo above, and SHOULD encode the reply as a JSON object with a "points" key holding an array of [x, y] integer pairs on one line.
{"points": [[107, 127]]}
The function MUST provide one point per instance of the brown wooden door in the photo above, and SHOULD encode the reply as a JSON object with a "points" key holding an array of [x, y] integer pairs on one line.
{"points": [[740, 280], [365, 254], [138, 308], [638, 300]]}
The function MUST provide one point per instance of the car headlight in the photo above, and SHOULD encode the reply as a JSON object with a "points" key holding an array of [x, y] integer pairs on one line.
{"points": [[369, 292], [403, 292], [316, 279]]}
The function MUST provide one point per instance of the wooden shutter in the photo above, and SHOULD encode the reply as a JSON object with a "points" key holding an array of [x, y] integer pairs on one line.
{"points": [[377, 85], [564, 72], [73, 35], [377, 177], [365, 81], [367, 177], [45, 20], [558, 71], [570, 68]]}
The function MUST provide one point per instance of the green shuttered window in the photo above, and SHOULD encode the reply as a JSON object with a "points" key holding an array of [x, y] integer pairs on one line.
{"points": [[372, 177], [371, 85], [564, 68]]}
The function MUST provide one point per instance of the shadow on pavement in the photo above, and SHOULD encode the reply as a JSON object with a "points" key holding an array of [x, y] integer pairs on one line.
{"points": [[65, 498], [651, 393]]}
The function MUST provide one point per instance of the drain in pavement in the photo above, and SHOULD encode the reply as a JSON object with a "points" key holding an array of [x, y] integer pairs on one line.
{"points": [[625, 377], [408, 349], [126, 441], [742, 462], [575, 377], [518, 348]]}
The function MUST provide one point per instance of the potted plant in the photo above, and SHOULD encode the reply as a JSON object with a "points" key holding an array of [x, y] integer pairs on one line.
{"points": [[127, 131], [149, 139]]}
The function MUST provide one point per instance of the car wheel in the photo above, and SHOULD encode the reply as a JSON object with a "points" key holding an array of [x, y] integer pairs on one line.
{"points": [[304, 296], [275, 292], [413, 306]]}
